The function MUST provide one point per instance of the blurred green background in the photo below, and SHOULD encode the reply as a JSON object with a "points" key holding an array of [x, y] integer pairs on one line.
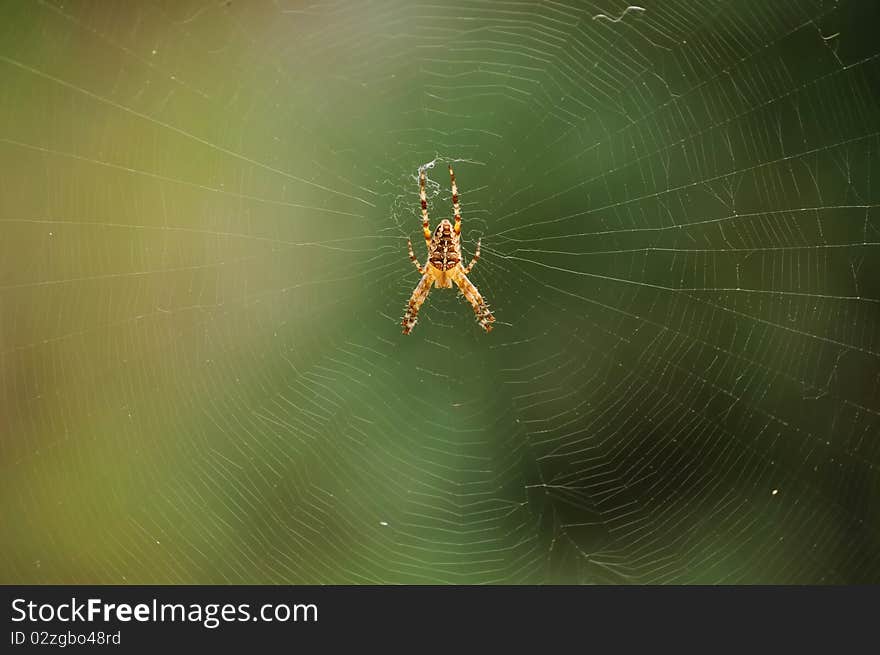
{"points": [[204, 209]]}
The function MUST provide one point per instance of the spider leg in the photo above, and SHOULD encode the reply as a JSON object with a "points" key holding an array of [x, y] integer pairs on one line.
{"points": [[423, 198], [455, 206], [481, 309], [415, 261], [475, 259], [415, 302]]}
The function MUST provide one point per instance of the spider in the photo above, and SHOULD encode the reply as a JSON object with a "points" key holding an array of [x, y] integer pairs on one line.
{"points": [[444, 265]]}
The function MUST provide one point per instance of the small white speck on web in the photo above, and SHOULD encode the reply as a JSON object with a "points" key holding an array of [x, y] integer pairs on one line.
{"points": [[775, 491], [383, 523]]}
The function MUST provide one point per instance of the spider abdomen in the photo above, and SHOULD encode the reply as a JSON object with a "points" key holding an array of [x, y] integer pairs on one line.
{"points": [[444, 247]]}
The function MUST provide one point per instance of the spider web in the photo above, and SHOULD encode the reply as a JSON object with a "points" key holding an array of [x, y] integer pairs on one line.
{"points": [[205, 208]]}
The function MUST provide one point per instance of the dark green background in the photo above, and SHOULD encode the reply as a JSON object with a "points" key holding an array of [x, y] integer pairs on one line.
{"points": [[204, 209]]}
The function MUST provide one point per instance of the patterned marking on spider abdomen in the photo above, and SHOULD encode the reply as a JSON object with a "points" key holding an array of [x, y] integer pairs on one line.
{"points": [[444, 254]]}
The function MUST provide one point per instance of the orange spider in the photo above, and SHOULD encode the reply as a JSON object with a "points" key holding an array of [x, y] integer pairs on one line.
{"points": [[444, 263]]}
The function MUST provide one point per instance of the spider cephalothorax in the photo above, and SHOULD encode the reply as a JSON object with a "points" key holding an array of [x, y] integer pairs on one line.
{"points": [[444, 265]]}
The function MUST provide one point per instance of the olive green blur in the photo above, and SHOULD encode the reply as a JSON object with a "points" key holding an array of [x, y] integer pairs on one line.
{"points": [[204, 210]]}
